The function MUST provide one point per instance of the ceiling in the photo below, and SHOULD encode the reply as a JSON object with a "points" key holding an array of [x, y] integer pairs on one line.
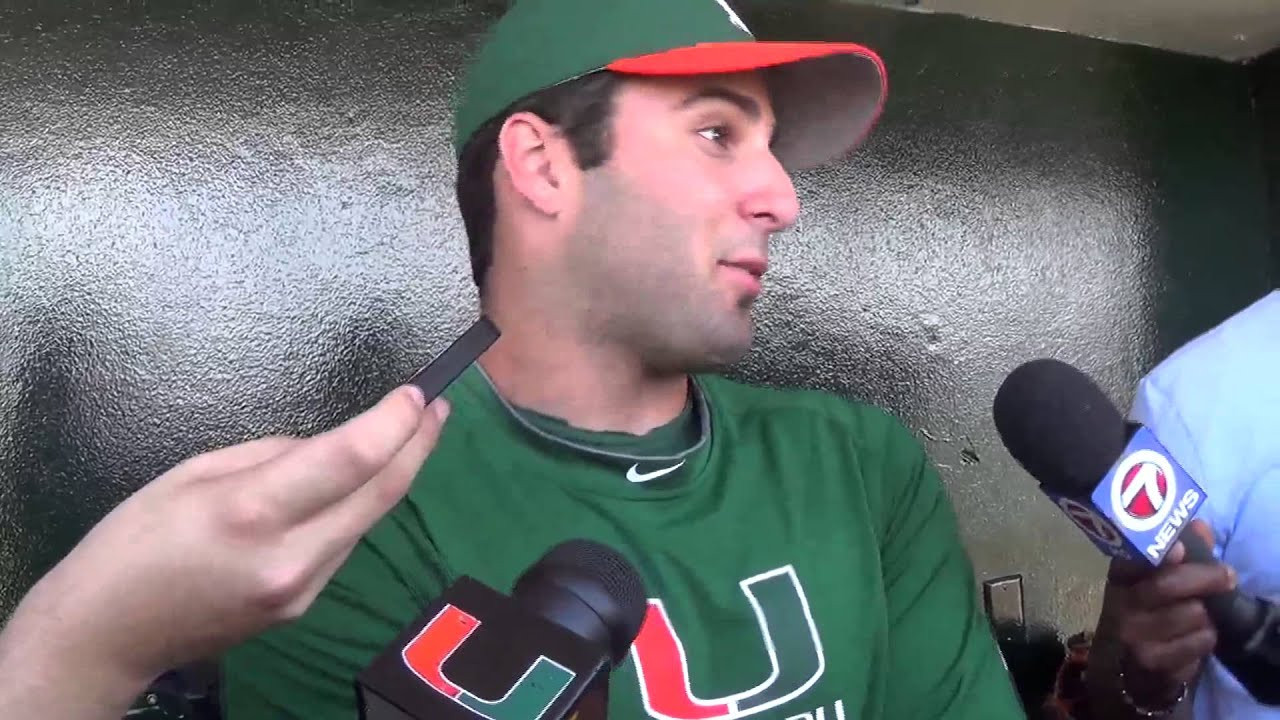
{"points": [[1228, 29]]}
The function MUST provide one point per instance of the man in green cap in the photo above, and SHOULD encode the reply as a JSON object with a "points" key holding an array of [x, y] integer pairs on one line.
{"points": [[622, 165]]}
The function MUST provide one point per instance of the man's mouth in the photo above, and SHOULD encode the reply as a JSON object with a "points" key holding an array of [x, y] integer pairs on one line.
{"points": [[754, 266], [748, 272]]}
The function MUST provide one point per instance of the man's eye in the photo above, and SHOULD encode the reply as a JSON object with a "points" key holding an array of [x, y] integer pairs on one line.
{"points": [[718, 134]]}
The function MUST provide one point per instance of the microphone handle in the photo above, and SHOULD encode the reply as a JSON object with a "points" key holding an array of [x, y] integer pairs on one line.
{"points": [[594, 703], [1248, 632], [1235, 615]]}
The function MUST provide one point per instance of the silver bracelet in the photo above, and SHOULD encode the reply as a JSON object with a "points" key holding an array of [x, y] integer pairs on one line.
{"points": [[1147, 712]]}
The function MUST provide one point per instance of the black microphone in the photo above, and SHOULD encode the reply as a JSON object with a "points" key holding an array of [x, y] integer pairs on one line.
{"points": [[544, 653], [1120, 486]]}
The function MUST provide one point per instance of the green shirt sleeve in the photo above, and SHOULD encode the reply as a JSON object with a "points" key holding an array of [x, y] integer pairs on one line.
{"points": [[944, 662], [306, 669]]}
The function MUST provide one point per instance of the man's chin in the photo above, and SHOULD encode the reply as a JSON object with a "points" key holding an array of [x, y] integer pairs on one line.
{"points": [[711, 359], [712, 347], [727, 353]]}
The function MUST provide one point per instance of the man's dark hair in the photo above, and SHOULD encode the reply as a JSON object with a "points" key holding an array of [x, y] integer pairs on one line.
{"points": [[582, 108]]}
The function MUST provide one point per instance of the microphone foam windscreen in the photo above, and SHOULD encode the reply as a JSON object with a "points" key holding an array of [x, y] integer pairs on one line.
{"points": [[618, 579], [1059, 425]]}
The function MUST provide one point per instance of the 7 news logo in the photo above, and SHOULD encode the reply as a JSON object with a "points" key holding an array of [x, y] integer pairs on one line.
{"points": [[1141, 505], [1144, 497]]}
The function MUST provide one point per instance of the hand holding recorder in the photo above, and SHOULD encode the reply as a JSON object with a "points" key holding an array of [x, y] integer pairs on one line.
{"points": [[241, 538]]}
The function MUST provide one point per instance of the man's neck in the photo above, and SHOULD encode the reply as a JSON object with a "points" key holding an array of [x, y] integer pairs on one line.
{"points": [[592, 388]]}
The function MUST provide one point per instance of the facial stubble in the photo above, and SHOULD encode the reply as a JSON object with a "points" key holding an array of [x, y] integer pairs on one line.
{"points": [[632, 262]]}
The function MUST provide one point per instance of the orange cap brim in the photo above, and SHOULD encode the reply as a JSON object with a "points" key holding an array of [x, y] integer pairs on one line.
{"points": [[728, 57], [828, 95]]}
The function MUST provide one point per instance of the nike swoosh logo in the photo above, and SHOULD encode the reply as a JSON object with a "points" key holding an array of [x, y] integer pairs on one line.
{"points": [[635, 476]]}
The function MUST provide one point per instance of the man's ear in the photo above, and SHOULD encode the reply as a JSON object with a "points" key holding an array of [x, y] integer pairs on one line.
{"points": [[537, 160]]}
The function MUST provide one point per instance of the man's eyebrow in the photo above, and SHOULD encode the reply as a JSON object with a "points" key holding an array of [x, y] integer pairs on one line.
{"points": [[745, 103]]}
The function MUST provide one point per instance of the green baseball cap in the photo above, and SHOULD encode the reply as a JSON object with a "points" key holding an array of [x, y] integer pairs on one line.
{"points": [[826, 95]]}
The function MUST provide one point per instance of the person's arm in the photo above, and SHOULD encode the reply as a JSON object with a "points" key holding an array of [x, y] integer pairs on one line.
{"points": [[1106, 688], [44, 673], [944, 661], [243, 538], [306, 669], [1154, 635]]}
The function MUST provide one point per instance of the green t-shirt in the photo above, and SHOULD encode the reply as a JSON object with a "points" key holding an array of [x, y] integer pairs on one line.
{"points": [[800, 552]]}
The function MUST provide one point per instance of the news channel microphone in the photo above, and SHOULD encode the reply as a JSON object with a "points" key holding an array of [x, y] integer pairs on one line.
{"points": [[1128, 495], [542, 653], [1115, 481]]}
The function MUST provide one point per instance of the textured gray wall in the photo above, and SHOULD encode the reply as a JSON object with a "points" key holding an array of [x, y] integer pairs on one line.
{"points": [[217, 223]]}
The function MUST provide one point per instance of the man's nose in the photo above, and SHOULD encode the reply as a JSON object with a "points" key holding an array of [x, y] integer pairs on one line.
{"points": [[769, 198]]}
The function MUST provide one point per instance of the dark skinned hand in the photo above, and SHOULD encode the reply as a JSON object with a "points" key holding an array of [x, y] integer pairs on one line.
{"points": [[1155, 618]]}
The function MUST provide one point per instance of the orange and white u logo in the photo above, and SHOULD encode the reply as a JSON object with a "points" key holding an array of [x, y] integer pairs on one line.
{"points": [[795, 656]]}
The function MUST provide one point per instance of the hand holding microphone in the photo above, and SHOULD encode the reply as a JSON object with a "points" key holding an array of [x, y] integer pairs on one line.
{"points": [[1133, 500], [1159, 621], [236, 540]]}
